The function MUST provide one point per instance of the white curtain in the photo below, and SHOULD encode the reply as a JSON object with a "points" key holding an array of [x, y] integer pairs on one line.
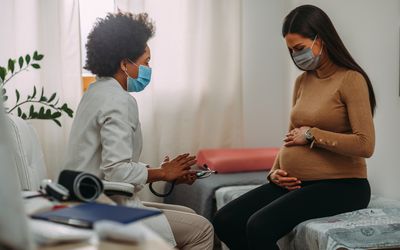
{"points": [[194, 99], [52, 28]]}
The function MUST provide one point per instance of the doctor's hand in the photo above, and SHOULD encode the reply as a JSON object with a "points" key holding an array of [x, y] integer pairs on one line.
{"points": [[188, 179], [282, 179], [184, 179], [178, 167], [296, 137]]}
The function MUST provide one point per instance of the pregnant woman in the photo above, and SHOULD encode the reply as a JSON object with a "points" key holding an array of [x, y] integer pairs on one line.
{"points": [[320, 170]]}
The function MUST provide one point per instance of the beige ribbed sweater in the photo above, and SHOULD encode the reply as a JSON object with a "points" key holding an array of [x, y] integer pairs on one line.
{"points": [[335, 103]]}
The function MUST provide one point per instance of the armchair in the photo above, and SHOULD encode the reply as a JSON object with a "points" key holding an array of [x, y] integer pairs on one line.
{"points": [[30, 164]]}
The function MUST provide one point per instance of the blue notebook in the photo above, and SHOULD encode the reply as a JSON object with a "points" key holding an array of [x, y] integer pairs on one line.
{"points": [[85, 215]]}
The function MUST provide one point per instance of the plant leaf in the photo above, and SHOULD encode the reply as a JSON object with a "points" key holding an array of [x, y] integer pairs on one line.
{"points": [[23, 116], [11, 64], [31, 111], [52, 97], [34, 92], [19, 111], [5, 98], [3, 73], [67, 110], [41, 95], [37, 56], [43, 99], [35, 65], [28, 59], [17, 94], [56, 114], [4, 91], [70, 112], [21, 62], [41, 111], [57, 122]]}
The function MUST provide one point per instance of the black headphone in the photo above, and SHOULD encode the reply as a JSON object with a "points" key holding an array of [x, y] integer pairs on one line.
{"points": [[54, 190], [72, 185]]}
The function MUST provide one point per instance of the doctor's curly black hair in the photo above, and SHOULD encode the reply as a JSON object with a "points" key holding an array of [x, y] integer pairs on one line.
{"points": [[114, 38]]}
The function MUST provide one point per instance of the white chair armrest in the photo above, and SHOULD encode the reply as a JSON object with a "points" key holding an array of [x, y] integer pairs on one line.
{"points": [[118, 188]]}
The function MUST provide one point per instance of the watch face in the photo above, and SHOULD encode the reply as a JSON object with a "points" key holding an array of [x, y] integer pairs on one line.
{"points": [[308, 134]]}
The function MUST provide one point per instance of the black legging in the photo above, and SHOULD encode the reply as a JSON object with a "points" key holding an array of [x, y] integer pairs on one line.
{"points": [[259, 218]]}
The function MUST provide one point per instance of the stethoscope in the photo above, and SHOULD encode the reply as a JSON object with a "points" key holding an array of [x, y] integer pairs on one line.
{"points": [[201, 173]]}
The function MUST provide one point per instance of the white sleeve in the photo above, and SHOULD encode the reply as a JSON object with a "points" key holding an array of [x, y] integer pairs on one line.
{"points": [[117, 134]]}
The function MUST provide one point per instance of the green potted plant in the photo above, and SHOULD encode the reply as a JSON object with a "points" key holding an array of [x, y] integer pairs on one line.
{"points": [[36, 105]]}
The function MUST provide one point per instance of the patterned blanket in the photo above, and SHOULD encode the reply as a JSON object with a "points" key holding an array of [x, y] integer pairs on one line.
{"points": [[376, 227]]}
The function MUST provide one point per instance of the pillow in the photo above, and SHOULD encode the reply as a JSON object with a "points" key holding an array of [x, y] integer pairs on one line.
{"points": [[237, 160]]}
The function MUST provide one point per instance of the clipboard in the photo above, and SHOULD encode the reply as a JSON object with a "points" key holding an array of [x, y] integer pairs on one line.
{"points": [[85, 215]]}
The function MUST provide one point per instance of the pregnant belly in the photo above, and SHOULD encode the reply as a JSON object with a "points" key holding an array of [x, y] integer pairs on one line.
{"points": [[310, 164]]}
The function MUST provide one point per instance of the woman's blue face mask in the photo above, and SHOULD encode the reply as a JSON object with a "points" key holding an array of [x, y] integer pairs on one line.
{"points": [[143, 79], [305, 59]]}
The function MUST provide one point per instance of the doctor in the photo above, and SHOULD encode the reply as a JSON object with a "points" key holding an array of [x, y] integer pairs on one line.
{"points": [[106, 138]]}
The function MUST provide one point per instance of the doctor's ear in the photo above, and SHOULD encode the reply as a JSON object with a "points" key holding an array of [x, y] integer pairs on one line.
{"points": [[122, 65]]}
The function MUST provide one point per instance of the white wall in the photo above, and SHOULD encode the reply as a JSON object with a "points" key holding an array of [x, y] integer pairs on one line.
{"points": [[370, 29], [264, 73]]}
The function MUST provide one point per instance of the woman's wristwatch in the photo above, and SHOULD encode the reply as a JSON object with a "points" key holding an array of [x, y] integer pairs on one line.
{"points": [[308, 135]]}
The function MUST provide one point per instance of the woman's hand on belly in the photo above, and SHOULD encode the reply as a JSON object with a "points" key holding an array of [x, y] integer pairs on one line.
{"points": [[282, 179], [296, 137]]}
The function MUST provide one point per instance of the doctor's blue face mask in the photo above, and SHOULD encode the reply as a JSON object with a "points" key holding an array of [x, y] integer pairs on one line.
{"points": [[143, 79], [305, 59]]}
